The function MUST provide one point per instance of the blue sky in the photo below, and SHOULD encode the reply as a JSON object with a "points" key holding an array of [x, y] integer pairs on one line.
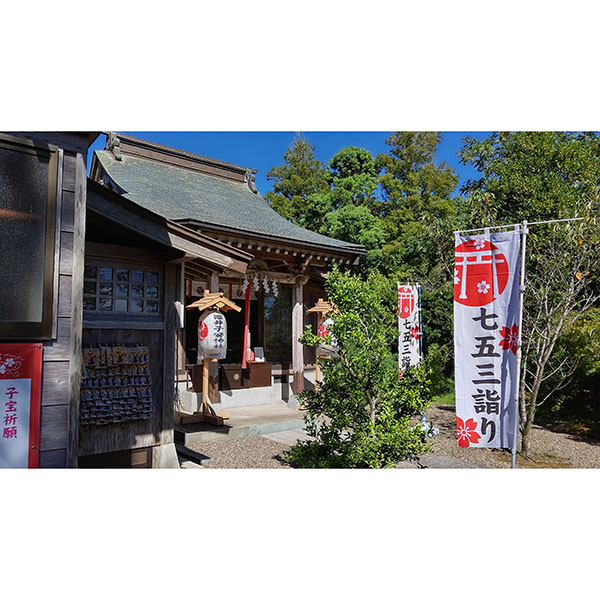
{"points": [[263, 150]]}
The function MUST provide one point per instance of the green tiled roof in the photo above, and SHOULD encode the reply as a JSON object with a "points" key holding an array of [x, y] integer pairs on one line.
{"points": [[178, 193]]}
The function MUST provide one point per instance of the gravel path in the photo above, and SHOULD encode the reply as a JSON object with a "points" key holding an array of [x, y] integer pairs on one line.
{"points": [[550, 450], [243, 453]]}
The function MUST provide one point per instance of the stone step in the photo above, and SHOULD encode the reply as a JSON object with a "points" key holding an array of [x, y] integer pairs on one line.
{"points": [[249, 421]]}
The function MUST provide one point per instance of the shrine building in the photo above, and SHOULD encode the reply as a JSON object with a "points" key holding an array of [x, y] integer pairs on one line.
{"points": [[285, 275], [99, 332]]}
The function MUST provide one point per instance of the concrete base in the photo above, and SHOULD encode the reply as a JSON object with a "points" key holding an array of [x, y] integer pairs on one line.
{"points": [[165, 457], [246, 421], [191, 402]]}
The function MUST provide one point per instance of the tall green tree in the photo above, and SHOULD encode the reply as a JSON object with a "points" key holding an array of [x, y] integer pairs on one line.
{"points": [[418, 207], [541, 176], [300, 176], [355, 177], [352, 199], [413, 185]]}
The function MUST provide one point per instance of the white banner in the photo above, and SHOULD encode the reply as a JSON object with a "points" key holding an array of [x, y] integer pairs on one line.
{"points": [[409, 326], [486, 334]]}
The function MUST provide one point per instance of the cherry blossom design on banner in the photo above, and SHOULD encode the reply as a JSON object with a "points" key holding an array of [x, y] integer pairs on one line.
{"points": [[466, 432], [10, 364], [480, 273], [486, 296], [510, 338]]}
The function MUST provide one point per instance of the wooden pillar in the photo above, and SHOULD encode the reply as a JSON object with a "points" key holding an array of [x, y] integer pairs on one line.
{"points": [[213, 369], [76, 351], [297, 328], [213, 284], [181, 361]]}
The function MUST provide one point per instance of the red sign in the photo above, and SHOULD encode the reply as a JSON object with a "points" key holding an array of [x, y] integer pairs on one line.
{"points": [[480, 272], [406, 302], [20, 398]]}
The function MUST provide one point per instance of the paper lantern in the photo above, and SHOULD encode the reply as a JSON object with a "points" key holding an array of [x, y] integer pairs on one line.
{"points": [[326, 348], [212, 335]]}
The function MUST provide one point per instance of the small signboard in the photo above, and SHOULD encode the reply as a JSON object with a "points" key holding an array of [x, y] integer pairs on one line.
{"points": [[20, 395], [231, 290]]}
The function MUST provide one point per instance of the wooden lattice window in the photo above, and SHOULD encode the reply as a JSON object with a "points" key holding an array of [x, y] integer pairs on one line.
{"points": [[121, 290]]}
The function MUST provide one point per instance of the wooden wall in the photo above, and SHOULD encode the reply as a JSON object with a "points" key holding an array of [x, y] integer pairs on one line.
{"points": [[61, 373], [160, 340]]}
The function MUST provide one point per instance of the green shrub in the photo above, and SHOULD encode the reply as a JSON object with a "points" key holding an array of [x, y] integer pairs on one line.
{"points": [[363, 414]]}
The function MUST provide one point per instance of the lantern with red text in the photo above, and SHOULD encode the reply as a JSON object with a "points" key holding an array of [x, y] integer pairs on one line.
{"points": [[212, 335]]}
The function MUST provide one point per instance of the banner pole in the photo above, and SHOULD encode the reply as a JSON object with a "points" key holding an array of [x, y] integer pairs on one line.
{"points": [[524, 232]]}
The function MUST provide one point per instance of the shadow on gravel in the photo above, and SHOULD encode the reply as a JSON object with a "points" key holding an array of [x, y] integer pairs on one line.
{"points": [[281, 460]]}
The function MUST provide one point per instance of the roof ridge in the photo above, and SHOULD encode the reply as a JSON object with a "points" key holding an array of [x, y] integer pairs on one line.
{"points": [[177, 151], [120, 143]]}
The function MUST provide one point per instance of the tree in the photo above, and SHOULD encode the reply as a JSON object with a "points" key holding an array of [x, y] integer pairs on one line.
{"points": [[418, 209], [354, 177], [412, 184], [363, 415], [301, 176], [542, 176]]}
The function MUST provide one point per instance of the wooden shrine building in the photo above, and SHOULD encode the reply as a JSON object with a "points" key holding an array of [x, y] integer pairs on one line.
{"points": [[285, 274], [93, 285]]}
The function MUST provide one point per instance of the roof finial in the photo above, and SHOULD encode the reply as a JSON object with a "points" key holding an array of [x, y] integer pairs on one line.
{"points": [[113, 143], [250, 181]]}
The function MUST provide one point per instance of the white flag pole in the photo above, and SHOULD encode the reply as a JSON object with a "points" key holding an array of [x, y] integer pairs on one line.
{"points": [[524, 232]]}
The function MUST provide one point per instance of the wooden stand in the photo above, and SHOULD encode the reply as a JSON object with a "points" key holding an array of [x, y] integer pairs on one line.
{"points": [[321, 308], [208, 413]]}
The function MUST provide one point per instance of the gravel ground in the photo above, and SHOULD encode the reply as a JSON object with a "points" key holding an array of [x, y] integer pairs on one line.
{"points": [[243, 453], [550, 450]]}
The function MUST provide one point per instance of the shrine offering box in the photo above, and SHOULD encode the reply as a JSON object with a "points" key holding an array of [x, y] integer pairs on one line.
{"points": [[231, 377], [257, 374]]}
